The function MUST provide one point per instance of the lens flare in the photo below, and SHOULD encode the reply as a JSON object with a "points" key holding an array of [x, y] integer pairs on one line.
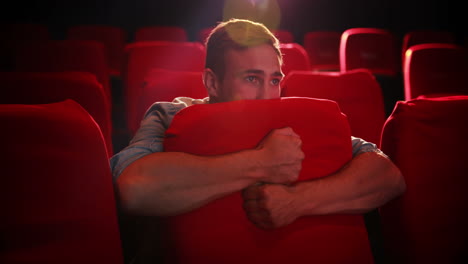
{"points": [[266, 12]]}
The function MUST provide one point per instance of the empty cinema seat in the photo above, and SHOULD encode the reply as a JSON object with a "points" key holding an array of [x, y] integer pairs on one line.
{"points": [[416, 37], [295, 58], [167, 33], [435, 68], [57, 194], [427, 139], [371, 48], [114, 39], [374, 49], [357, 93], [165, 85], [323, 48], [66, 55], [51, 87], [219, 232], [141, 57]]}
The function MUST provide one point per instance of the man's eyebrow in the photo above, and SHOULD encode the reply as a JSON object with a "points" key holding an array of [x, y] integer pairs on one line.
{"points": [[260, 72], [278, 74], [252, 71]]}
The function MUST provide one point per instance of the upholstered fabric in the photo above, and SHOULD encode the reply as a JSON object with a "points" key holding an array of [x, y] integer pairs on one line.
{"points": [[220, 232], [57, 195], [427, 139], [357, 93]]}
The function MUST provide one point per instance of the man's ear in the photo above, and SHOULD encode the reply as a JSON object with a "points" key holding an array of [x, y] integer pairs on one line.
{"points": [[211, 83]]}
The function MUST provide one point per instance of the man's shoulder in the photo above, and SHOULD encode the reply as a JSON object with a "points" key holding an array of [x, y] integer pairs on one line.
{"points": [[171, 108], [188, 101]]}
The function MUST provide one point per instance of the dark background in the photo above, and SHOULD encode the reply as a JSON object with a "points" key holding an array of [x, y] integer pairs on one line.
{"points": [[297, 16]]}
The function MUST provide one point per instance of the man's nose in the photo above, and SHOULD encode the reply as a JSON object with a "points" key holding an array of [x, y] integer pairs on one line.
{"points": [[265, 92]]}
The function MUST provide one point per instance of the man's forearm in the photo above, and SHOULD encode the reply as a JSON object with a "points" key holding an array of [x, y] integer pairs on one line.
{"points": [[366, 182], [170, 183]]}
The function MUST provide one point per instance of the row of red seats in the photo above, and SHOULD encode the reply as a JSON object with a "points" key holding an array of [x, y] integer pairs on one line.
{"points": [[431, 68], [322, 47], [435, 68], [62, 207]]}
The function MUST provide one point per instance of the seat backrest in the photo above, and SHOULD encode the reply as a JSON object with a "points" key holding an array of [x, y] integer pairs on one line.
{"points": [[141, 57], [66, 55], [416, 37], [165, 85], [357, 93], [371, 48], [114, 39], [435, 68], [427, 139], [51, 87], [284, 36], [167, 33], [211, 233], [295, 58], [57, 190], [323, 48]]}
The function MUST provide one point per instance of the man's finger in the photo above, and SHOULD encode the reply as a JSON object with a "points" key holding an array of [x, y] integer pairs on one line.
{"points": [[287, 131], [252, 192]]}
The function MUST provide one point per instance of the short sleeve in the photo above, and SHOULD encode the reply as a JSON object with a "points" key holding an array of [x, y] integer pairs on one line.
{"points": [[149, 137], [361, 146]]}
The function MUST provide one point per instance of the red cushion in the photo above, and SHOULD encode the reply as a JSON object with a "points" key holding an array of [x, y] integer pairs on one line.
{"points": [[220, 232]]}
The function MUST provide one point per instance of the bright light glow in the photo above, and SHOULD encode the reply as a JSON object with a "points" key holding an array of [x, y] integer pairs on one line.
{"points": [[263, 11]]}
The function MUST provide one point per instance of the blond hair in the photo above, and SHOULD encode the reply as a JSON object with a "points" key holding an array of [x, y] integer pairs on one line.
{"points": [[237, 34]]}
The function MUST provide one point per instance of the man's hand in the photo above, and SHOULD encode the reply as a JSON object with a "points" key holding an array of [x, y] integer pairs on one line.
{"points": [[281, 156], [269, 205]]}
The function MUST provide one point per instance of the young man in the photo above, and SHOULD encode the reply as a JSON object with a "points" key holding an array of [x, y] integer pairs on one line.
{"points": [[244, 63]]}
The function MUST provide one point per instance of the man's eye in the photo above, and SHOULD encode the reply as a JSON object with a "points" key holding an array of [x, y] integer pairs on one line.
{"points": [[275, 82], [251, 78]]}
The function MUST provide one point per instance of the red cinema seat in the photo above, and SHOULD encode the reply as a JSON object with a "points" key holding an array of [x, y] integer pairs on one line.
{"points": [[57, 190], [427, 139], [295, 58], [323, 48], [114, 39], [166, 33], [371, 48], [374, 49], [435, 68], [416, 37], [51, 87], [144, 56], [219, 232], [284, 36], [165, 85], [66, 55], [357, 93]]}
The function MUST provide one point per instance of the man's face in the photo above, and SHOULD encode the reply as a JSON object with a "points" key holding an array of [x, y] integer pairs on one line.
{"points": [[253, 73]]}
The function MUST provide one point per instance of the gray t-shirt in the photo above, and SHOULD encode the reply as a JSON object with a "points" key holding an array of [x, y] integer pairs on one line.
{"points": [[149, 137]]}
